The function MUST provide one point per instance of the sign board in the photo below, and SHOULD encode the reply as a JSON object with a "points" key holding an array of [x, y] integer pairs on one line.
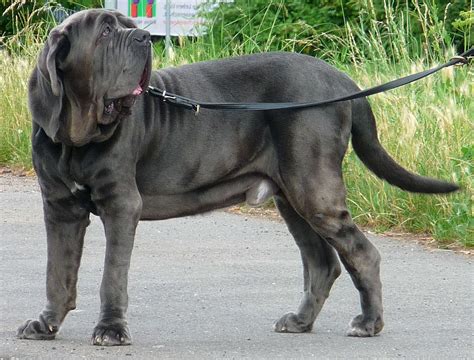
{"points": [[151, 15]]}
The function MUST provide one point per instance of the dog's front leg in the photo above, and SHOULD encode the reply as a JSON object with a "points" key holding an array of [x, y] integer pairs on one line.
{"points": [[119, 212], [66, 223]]}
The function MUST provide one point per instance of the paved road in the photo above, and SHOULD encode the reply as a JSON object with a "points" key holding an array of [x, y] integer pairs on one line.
{"points": [[210, 287]]}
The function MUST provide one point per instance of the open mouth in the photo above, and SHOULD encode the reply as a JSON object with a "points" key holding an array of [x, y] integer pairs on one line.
{"points": [[111, 105], [116, 106], [145, 78]]}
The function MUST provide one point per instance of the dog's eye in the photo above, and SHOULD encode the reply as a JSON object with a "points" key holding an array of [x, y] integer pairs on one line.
{"points": [[106, 31]]}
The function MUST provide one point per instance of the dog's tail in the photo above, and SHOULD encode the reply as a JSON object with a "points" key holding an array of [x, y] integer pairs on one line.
{"points": [[374, 156]]}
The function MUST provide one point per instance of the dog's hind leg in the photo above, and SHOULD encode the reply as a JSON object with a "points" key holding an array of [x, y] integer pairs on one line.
{"points": [[320, 199], [321, 268]]}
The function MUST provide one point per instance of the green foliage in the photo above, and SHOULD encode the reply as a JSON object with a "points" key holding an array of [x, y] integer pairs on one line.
{"points": [[15, 121], [465, 25], [427, 127], [273, 25], [17, 15], [314, 26]]}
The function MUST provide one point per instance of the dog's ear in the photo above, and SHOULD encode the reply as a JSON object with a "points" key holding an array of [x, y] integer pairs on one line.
{"points": [[46, 90], [54, 52]]}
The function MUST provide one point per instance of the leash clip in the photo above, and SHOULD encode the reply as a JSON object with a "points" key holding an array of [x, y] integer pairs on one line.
{"points": [[196, 109], [167, 97]]}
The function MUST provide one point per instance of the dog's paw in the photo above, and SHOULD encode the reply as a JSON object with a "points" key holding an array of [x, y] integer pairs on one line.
{"points": [[359, 327], [291, 323], [111, 335], [37, 330]]}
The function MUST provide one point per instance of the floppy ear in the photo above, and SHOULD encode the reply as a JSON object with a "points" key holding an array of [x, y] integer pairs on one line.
{"points": [[45, 86], [55, 50]]}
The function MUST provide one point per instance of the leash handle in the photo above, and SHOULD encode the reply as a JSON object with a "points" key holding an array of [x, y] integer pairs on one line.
{"points": [[194, 105]]}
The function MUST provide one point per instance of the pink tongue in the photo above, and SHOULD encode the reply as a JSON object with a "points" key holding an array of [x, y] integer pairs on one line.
{"points": [[138, 90]]}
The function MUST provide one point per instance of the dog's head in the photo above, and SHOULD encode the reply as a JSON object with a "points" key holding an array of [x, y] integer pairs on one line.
{"points": [[88, 75]]}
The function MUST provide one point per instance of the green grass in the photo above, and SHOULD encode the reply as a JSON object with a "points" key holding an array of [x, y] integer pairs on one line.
{"points": [[15, 120], [427, 126]]}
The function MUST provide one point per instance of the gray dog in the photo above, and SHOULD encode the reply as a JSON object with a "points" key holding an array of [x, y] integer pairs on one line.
{"points": [[101, 145]]}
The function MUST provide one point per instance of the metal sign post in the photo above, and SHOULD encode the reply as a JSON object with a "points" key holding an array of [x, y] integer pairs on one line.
{"points": [[168, 30]]}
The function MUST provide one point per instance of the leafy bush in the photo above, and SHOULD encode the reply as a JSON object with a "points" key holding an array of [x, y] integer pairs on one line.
{"points": [[40, 15], [314, 26]]}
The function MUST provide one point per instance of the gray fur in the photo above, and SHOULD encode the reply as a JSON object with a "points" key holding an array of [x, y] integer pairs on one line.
{"points": [[99, 148]]}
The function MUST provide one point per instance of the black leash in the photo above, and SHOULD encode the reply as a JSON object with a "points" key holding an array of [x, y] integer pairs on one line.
{"points": [[195, 105]]}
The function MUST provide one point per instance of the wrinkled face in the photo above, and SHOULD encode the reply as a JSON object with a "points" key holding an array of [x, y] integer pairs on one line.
{"points": [[103, 63]]}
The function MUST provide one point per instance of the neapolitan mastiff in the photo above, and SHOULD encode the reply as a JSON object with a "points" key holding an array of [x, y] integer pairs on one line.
{"points": [[100, 145]]}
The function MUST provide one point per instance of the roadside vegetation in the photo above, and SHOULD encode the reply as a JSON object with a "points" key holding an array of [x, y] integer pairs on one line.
{"points": [[427, 126]]}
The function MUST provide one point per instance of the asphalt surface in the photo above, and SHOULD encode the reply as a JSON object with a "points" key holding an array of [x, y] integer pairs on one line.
{"points": [[210, 287]]}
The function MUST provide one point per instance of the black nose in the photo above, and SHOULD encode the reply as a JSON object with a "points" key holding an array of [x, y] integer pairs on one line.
{"points": [[142, 36]]}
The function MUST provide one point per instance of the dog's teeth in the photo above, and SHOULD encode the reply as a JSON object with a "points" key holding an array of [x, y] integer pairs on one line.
{"points": [[50, 328]]}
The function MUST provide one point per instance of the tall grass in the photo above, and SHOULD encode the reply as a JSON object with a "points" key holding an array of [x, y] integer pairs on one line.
{"points": [[15, 126], [17, 57], [427, 126]]}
